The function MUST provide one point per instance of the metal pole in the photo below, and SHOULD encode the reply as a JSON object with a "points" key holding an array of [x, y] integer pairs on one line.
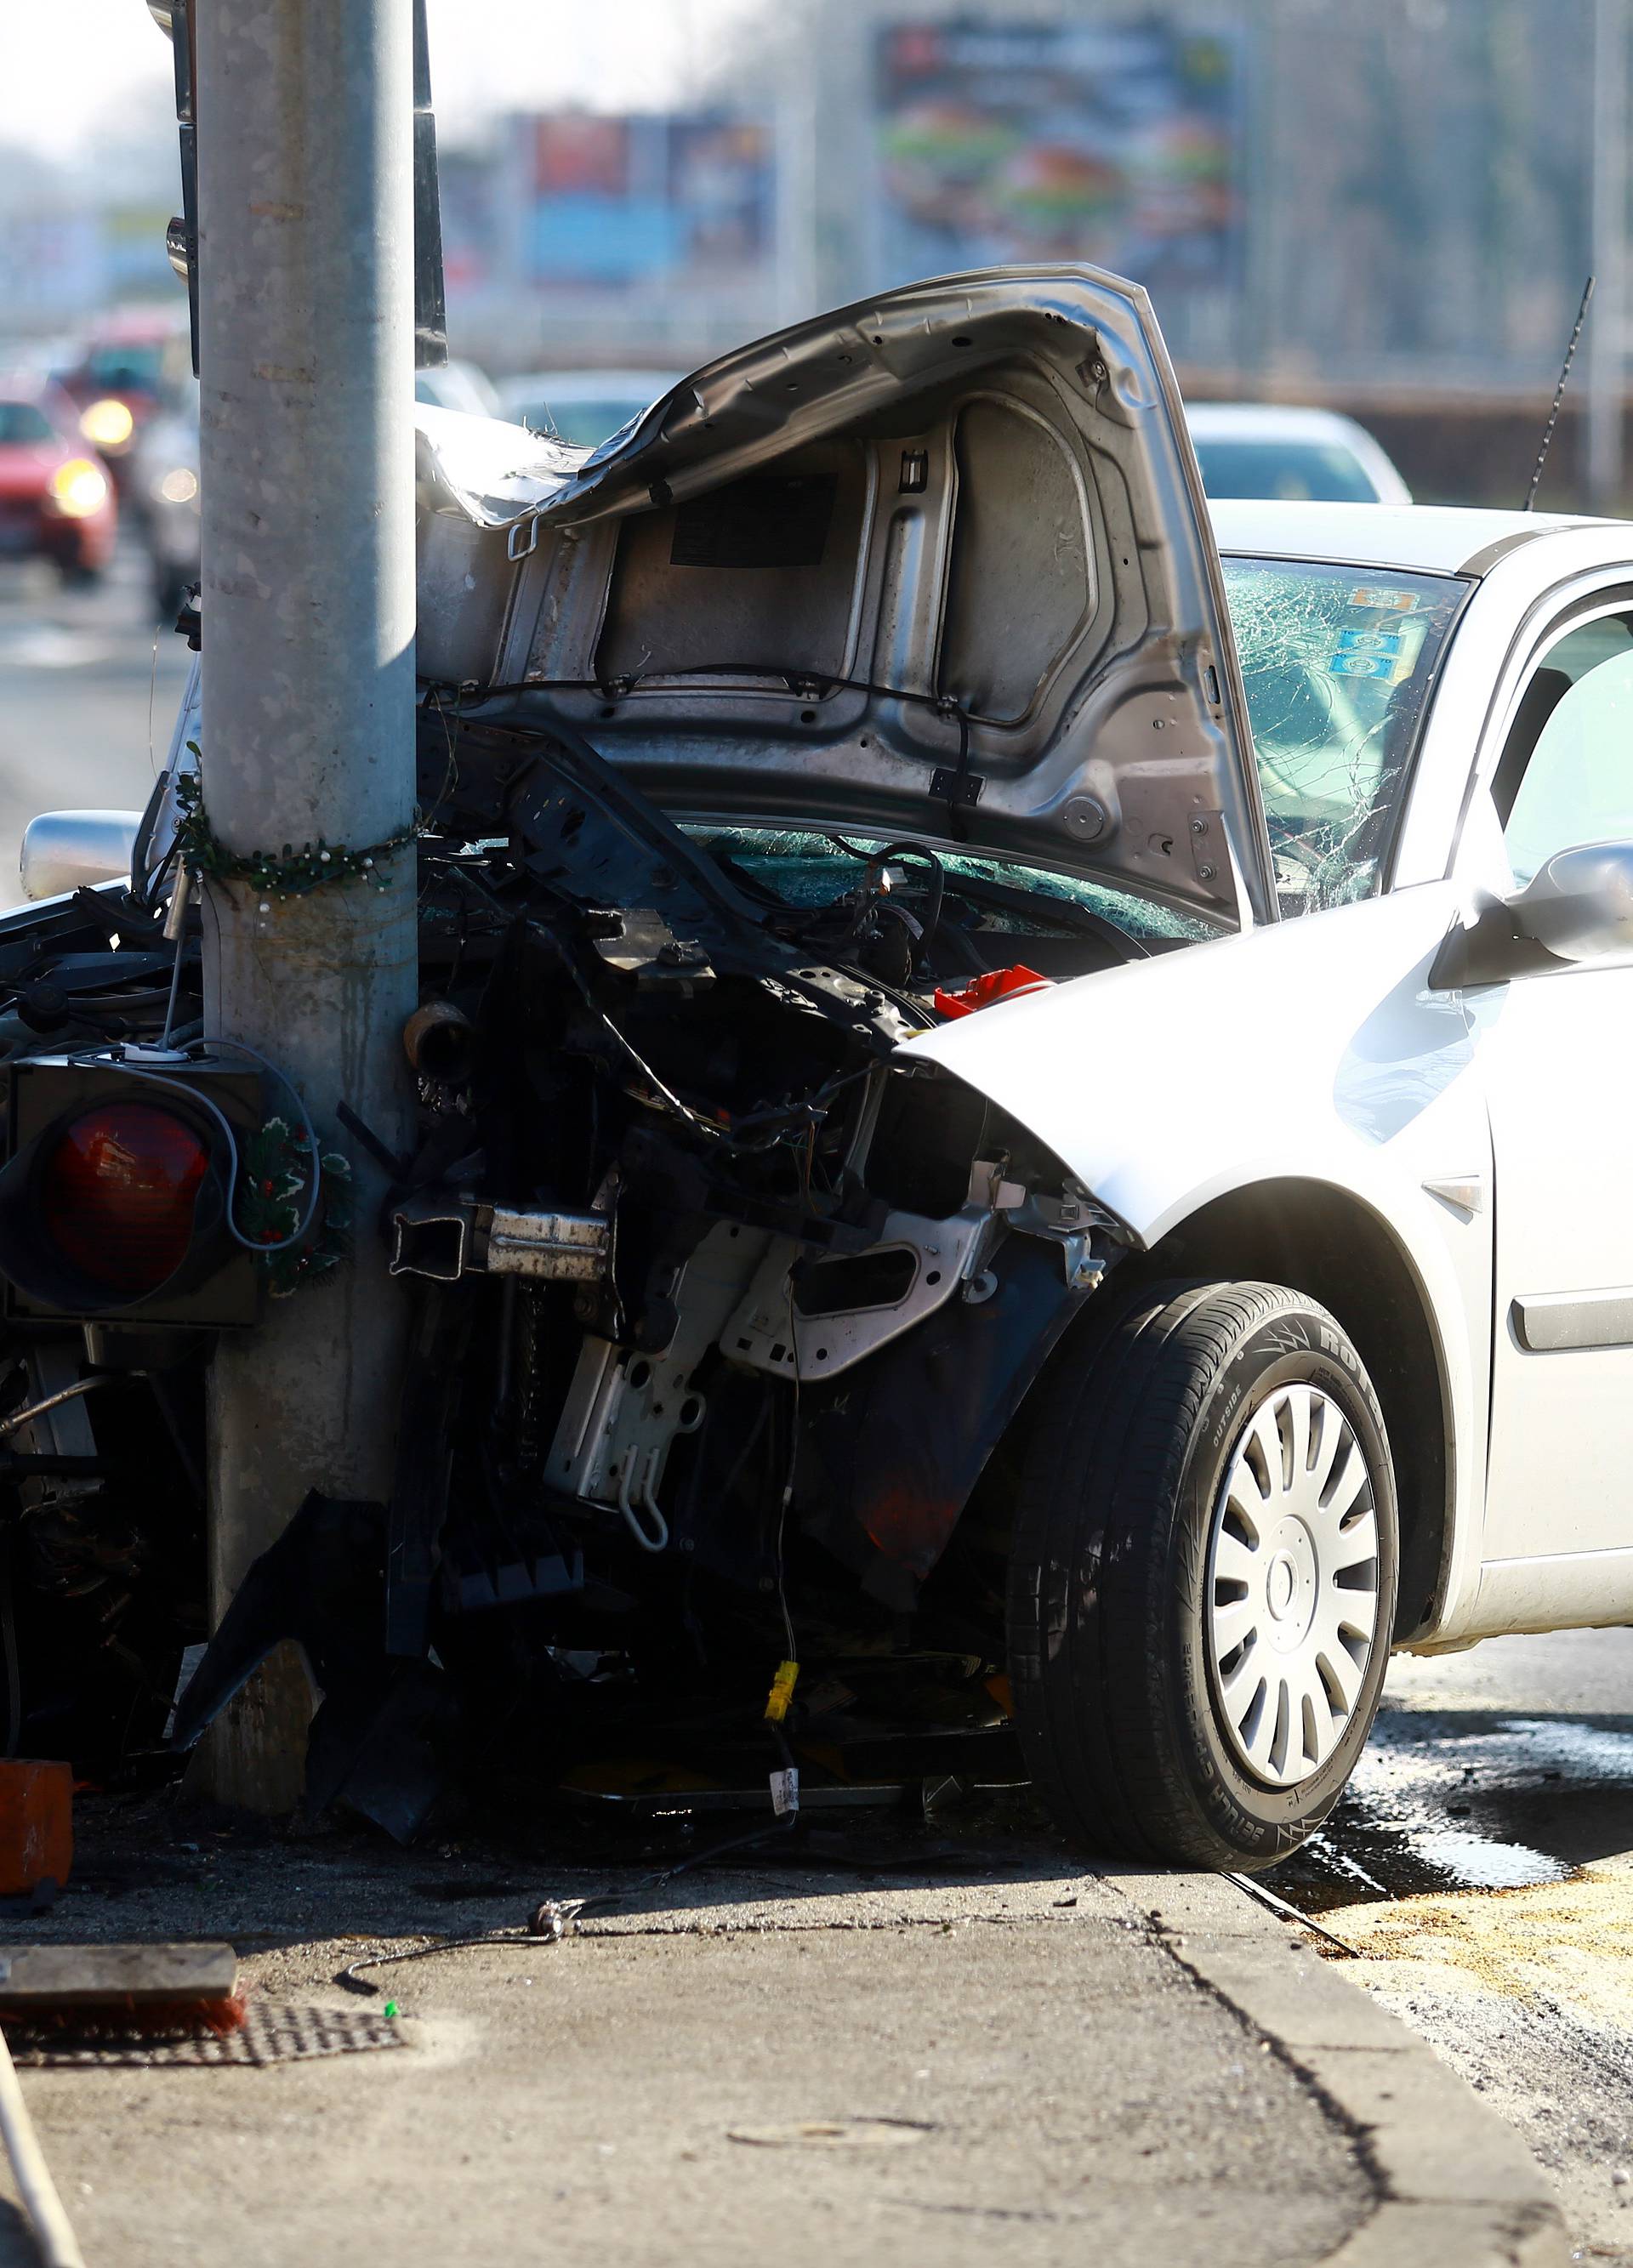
{"points": [[1607, 344], [305, 120]]}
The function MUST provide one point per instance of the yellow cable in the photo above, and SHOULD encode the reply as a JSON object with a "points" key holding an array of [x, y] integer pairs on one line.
{"points": [[781, 1691]]}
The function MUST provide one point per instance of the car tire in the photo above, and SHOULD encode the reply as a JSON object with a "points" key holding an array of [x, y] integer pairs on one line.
{"points": [[79, 574], [1161, 1564]]}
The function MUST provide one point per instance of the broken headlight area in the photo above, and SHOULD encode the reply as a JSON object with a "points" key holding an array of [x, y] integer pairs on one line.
{"points": [[720, 1311]]}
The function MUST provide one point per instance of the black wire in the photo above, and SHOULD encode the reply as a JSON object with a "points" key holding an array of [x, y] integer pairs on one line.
{"points": [[646, 822], [798, 1113], [878, 860], [612, 689], [616, 689], [957, 825], [1009, 898], [643, 823], [351, 1979]]}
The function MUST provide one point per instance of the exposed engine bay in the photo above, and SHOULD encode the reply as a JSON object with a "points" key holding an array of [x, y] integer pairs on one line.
{"points": [[878, 673], [719, 1314]]}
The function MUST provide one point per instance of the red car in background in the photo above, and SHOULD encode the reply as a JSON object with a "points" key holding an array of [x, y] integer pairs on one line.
{"points": [[126, 367], [56, 499]]}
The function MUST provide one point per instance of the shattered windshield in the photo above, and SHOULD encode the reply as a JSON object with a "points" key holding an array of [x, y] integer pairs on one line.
{"points": [[807, 869], [1338, 663]]}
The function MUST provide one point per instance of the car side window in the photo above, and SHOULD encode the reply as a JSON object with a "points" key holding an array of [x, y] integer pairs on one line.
{"points": [[1565, 776]]}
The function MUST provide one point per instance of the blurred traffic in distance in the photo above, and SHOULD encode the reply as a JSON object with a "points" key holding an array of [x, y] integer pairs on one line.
{"points": [[1364, 226]]}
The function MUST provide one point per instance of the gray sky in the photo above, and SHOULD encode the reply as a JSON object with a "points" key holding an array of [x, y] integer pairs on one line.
{"points": [[68, 70]]}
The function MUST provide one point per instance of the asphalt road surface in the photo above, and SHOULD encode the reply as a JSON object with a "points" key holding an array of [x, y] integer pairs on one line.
{"points": [[977, 2054], [1481, 1864], [1481, 1867], [89, 686]]}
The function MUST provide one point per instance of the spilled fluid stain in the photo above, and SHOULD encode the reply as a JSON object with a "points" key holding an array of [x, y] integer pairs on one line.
{"points": [[1587, 1751], [1474, 1862], [1468, 1799]]}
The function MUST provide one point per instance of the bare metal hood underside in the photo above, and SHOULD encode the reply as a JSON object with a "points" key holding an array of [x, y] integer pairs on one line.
{"points": [[935, 565]]}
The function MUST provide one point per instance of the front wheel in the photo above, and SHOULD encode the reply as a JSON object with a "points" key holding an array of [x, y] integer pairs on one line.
{"points": [[1202, 1575]]}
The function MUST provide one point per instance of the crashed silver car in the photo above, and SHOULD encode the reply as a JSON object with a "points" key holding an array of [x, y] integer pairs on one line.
{"points": [[825, 1356]]}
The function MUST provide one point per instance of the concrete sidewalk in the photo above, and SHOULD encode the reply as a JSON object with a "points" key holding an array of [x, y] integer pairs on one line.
{"points": [[1006, 2060]]}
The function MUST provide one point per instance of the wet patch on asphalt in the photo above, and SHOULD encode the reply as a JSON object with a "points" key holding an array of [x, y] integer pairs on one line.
{"points": [[1469, 1799], [1481, 1864]]}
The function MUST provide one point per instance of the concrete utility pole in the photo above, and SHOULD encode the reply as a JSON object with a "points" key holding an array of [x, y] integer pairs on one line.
{"points": [[307, 369], [1608, 325]]}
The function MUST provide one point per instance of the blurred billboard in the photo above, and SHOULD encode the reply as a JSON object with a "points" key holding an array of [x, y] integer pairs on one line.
{"points": [[57, 266], [1004, 141], [622, 202], [471, 232]]}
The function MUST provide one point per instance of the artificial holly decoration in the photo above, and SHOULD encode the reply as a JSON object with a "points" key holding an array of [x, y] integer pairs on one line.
{"points": [[274, 1181]]}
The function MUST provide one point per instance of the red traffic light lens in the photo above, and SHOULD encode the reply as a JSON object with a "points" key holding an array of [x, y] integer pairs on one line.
{"points": [[117, 1193]]}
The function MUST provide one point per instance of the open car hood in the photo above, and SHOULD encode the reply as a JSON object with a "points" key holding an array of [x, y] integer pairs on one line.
{"points": [[936, 565]]}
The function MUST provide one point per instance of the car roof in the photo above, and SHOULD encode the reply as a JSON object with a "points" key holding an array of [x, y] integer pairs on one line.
{"points": [[1268, 420], [590, 385], [1432, 539]]}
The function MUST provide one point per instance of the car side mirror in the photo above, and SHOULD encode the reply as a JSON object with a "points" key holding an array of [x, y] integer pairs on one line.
{"points": [[63, 850], [1578, 907], [1580, 904]]}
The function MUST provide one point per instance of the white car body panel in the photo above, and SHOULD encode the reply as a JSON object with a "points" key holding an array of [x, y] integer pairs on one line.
{"points": [[990, 652], [1526, 572], [1421, 538], [1311, 1050], [1566, 1590], [1560, 1091], [1315, 1050], [1214, 1022]]}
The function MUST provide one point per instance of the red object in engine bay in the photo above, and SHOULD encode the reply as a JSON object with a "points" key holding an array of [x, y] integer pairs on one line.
{"points": [[992, 984]]}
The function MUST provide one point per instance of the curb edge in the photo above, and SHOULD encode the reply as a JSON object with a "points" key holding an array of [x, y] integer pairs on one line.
{"points": [[1457, 2187]]}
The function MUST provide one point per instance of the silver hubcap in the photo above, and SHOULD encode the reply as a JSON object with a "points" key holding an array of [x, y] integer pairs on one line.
{"points": [[1292, 1585]]}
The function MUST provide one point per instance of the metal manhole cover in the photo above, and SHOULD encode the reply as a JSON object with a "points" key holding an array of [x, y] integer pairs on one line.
{"points": [[271, 2033], [833, 2133]]}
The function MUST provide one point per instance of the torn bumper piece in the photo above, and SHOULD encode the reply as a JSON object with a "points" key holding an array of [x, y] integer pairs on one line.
{"points": [[443, 1236]]}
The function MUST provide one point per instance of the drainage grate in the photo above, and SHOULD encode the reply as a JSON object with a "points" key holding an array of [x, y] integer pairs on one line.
{"points": [[271, 2033]]}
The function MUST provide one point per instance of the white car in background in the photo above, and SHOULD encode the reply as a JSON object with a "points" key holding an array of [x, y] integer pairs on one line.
{"points": [[456, 385], [165, 466], [1293, 456], [164, 499], [582, 407]]}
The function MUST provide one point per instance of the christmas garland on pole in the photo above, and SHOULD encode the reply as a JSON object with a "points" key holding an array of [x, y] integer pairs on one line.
{"points": [[290, 874]]}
